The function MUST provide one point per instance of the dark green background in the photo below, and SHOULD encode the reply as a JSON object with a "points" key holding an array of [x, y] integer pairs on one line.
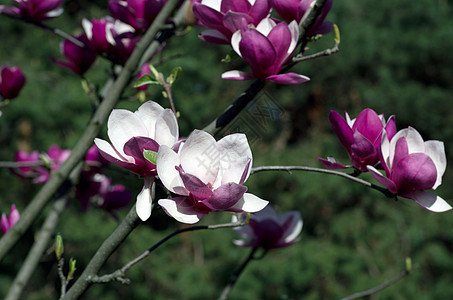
{"points": [[395, 58]]}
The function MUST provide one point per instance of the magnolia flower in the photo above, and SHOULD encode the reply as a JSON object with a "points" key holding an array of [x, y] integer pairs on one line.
{"points": [[140, 14], [78, 59], [268, 230], [208, 176], [412, 166], [36, 10], [130, 134], [22, 156], [291, 10], [8, 222], [361, 137], [112, 38], [226, 16], [266, 49], [12, 81]]}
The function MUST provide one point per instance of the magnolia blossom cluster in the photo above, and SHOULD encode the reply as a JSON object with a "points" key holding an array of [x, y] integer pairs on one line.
{"points": [[411, 165], [113, 37], [206, 175], [12, 80], [265, 43]]}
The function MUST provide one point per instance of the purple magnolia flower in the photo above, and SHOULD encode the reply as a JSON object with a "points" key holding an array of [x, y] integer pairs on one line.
{"points": [[268, 230], [23, 157], [131, 133], [36, 10], [266, 49], [227, 16], [112, 38], [291, 10], [140, 14], [208, 176], [412, 166], [8, 222], [78, 59], [361, 137], [11, 82]]}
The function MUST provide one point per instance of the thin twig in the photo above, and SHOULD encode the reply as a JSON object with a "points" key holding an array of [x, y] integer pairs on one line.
{"points": [[379, 287], [63, 279], [386, 192], [119, 275], [226, 291], [327, 52]]}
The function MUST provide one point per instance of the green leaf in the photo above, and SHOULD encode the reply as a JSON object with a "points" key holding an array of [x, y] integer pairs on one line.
{"points": [[150, 156], [154, 71], [146, 79], [230, 56], [174, 75], [72, 268], [336, 31]]}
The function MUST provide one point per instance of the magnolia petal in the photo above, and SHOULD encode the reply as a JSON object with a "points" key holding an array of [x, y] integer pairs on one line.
{"points": [[260, 10], [237, 75], [167, 131], [234, 20], [122, 126], [144, 200], [429, 201], [235, 39], [249, 203], [295, 226], [265, 26], [166, 162], [436, 151], [233, 147], [266, 213], [195, 186], [414, 171], [294, 29], [258, 52], [148, 113], [280, 38], [200, 156], [208, 16], [342, 129], [288, 78], [369, 125], [390, 128], [331, 163], [4, 223], [181, 209], [225, 196], [109, 153], [214, 37], [363, 147], [382, 179], [14, 215]]}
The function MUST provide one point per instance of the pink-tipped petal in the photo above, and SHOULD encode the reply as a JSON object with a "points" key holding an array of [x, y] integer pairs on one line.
{"points": [[14, 215], [237, 75], [214, 37], [195, 186], [342, 129], [414, 171], [331, 163], [429, 201], [181, 209], [288, 78], [389, 184], [4, 223]]}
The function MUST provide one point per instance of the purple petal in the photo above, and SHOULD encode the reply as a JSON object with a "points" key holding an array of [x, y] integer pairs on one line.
{"points": [[214, 37], [195, 186], [5, 223], [280, 38], [225, 196], [234, 20], [390, 128], [259, 10], [414, 171], [389, 184], [331, 163], [369, 125], [342, 130], [258, 52], [134, 148], [235, 6], [363, 148], [208, 16]]}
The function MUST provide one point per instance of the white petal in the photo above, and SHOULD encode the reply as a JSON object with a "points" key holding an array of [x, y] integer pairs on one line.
{"points": [[250, 203], [429, 201], [144, 200], [200, 156], [235, 39], [214, 4], [167, 131], [265, 26], [436, 151], [385, 150], [88, 28], [294, 29], [122, 126], [166, 161], [235, 154], [148, 113], [172, 210], [106, 147]]}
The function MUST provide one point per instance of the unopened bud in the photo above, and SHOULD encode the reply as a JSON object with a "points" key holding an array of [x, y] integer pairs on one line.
{"points": [[59, 248]]}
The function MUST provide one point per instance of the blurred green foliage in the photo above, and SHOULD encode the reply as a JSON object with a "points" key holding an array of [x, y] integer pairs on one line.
{"points": [[394, 58]]}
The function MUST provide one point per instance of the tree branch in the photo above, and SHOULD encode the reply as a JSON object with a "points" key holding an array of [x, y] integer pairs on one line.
{"points": [[288, 169], [310, 16], [119, 275], [99, 118]]}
